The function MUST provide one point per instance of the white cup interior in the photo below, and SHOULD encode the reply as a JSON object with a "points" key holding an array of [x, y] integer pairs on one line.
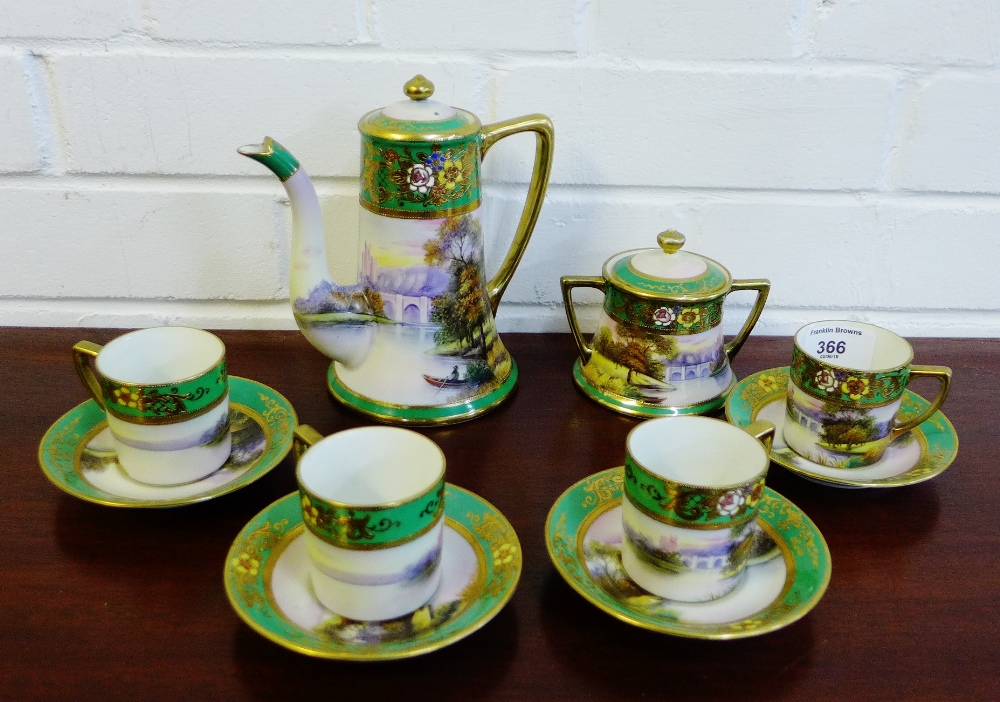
{"points": [[371, 466], [891, 350], [160, 355], [697, 451]]}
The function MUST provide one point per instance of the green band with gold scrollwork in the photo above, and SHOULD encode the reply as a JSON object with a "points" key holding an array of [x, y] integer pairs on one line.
{"points": [[852, 387], [661, 316], [689, 506], [166, 404], [714, 280], [420, 179], [369, 528]]}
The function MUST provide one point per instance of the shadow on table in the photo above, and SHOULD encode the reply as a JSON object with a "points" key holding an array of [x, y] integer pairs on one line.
{"points": [[899, 516], [621, 661], [154, 565], [270, 672]]}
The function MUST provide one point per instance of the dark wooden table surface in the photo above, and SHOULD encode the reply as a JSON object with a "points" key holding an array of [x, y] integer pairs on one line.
{"points": [[108, 603]]}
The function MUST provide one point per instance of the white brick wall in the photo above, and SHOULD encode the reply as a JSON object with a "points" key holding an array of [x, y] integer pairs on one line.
{"points": [[68, 19], [847, 150], [20, 152], [328, 22]]}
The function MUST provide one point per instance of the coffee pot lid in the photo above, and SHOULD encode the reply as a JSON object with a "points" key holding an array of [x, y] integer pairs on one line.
{"points": [[668, 272], [419, 118]]}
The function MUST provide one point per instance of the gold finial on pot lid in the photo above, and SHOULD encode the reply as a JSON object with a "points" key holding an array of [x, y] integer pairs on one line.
{"points": [[418, 88], [670, 241], [419, 118]]}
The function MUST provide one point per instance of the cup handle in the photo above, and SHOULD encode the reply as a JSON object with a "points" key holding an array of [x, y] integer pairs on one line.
{"points": [[568, 283], [763, 287], [84, 354], [763, 431], [940, 373], [544, 138], [304, 437]]}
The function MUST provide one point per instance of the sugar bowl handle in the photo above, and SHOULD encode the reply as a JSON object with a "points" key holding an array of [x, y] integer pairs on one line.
{"points": [[763, 287], [568, 283], [545, 137]]}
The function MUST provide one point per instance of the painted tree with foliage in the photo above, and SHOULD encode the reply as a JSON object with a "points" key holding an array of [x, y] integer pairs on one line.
{"points": [[636, 350], [463, 311], [847, 427]]}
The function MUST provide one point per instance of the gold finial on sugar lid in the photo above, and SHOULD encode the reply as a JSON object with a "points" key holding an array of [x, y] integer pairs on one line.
{"points": [[670, 241], [418, 88]]}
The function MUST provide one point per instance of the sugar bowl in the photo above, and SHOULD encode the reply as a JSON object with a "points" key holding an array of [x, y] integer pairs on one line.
{"points": [[658, 349]]}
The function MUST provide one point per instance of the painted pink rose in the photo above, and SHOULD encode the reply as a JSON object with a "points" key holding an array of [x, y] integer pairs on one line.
{"points": [[664, 317], [421, 178], [826, 380], [730, 503]]}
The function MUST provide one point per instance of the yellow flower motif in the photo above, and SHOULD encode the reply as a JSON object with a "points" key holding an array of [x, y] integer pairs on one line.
{"points": [[128, 397], [746, 625], [503, 555], [451, 174], [244, 564], [855, 388], [309, 511], [767, 383], [689, 317], [333, 621], [422, 618]]}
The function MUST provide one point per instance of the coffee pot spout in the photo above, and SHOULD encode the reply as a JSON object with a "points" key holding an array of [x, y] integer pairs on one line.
{"points": [[336, 319]]}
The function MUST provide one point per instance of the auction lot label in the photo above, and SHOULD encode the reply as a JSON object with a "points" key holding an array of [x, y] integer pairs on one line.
{"points": [[841, 343]]}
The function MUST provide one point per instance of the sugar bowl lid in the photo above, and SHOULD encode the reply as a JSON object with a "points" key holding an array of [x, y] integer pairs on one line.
{"points": [[667, 272], [419, 118]]}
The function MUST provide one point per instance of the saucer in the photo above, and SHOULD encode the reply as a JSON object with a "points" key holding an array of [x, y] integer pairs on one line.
{"points": [[583, 534], [266, 577], [914, 457], [77, 453]]}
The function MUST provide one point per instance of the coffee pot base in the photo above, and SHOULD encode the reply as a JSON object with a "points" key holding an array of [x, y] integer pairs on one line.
{"points": [[416, 415]]}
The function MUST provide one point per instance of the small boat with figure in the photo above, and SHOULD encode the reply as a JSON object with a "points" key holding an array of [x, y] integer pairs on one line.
{"points": [[452, 381], [444, 382]]}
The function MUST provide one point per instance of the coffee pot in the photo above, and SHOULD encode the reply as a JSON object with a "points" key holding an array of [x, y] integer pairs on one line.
{"points": [[658, 348], [414, 340]]}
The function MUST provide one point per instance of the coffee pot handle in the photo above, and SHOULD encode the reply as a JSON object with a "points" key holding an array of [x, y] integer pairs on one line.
{"points": [[568, 283], [84, 354], [544, 140], [940, 373], [763, 287]]}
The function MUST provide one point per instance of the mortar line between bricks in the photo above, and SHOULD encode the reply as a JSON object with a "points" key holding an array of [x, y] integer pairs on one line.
{"points": [[553, 304], [513, 316], [346, 186], [44, 113], [507, 59]]}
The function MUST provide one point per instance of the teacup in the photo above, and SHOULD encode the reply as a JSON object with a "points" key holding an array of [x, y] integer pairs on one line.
{"points": [[373, 508], [845, 388], [166, 395], [691, 495]]}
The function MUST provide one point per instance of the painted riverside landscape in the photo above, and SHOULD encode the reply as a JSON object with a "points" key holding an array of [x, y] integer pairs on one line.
{"points": [[654, 368], [837, 436], [420, 313]]}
